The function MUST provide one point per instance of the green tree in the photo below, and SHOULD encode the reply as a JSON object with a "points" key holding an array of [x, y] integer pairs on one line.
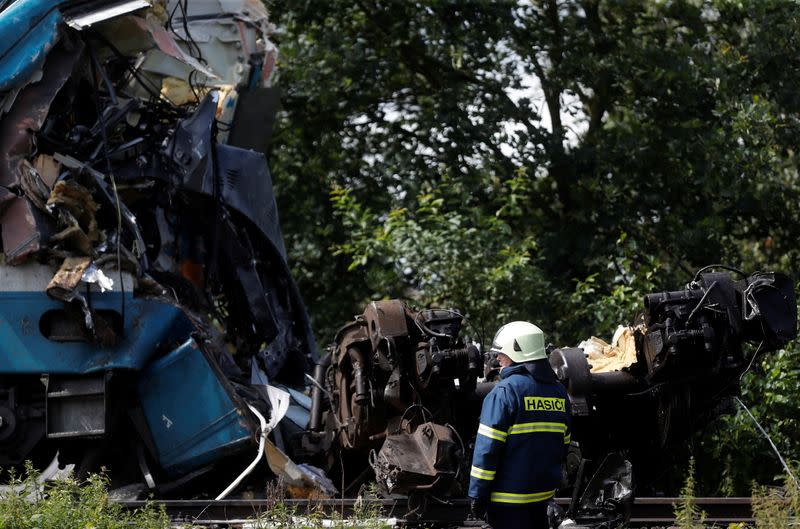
{"points": [[550, 160]]}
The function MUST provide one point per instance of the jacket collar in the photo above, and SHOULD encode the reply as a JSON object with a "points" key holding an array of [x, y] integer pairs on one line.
{"points": [[513, 370], [538, 369]]}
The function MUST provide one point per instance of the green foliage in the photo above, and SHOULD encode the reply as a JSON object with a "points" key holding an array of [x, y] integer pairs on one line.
{"points": [[734, 445], [444, 257], [550, 161], [68, 504], [776, 508], [687, 514], [365, 515]]}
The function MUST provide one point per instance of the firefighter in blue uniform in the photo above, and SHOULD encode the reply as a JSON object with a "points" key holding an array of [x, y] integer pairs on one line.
{"points": [[523, 435]]}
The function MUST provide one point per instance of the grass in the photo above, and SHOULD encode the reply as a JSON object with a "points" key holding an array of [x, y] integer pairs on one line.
{"points": [[72, 504], [365, 515], [773, 507], [776, 507]]}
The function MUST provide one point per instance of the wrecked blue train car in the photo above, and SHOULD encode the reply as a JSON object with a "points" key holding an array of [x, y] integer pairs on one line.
{"points": [[145, 299]]}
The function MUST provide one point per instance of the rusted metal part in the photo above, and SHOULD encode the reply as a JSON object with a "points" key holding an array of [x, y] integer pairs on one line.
{"points": [[68, 277], [386, 319], [426, 459], [76, 210], [382, 403]]}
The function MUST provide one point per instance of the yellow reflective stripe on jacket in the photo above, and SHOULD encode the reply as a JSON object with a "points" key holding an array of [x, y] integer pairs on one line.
{"points": [[567, 439], [482, 473], [510, 497], [532, 427], [491, 433]]}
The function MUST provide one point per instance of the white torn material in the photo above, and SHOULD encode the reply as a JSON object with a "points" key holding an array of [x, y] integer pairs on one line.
{"points": [[605, 357], [279, 401], [94, 275], [83, 21]]}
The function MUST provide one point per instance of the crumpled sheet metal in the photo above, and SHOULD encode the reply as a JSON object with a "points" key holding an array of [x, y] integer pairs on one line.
{"points": [[82, 128], [26, 230], [25, 119], [424, 459], [81, 19], [23, 48], [302, 481], [167, 44], [618, 355], [227, 33]]}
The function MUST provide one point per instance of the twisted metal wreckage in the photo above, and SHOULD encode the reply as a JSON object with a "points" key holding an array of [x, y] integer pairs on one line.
{"points": [[149, 322]]}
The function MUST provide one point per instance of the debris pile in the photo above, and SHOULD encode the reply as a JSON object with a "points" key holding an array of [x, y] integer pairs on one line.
{"points": [[140, 228]]}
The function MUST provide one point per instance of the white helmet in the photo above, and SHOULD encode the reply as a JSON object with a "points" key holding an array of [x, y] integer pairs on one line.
{"points": [[521, 341]]}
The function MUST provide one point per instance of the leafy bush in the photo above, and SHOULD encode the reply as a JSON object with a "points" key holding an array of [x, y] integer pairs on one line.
{"points": [[776, 508], [70, 504]]}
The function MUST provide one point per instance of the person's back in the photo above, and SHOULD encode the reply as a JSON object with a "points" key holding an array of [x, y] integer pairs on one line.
{"points": [[522, 437]]}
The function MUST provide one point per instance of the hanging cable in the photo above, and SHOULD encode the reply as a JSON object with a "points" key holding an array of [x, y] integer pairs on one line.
{"points": [[97, 67], [700, 303], [261, 442], [724, 267], [769, 440]]}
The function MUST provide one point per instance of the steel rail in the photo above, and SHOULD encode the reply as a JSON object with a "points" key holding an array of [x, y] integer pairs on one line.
{"points": [[645, 512]]}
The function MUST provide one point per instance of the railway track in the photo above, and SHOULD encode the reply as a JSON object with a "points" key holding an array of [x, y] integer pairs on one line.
{"points": [[645, 512]]}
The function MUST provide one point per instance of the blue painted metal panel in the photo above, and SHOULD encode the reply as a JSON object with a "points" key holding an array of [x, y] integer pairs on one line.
{"points": [[192, 418], [23, 348], [29, 29]]}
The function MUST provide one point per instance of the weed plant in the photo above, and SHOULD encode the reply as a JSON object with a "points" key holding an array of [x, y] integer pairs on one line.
{"points": [[776, 507], [366, 514], [687, 514], [773, 507], [69, 504]]}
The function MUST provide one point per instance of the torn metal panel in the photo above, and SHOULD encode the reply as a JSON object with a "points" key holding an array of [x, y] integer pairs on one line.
{"points": [[26, 230], [19, 127], [167, 44], [230, 35], [112, 168], [47, 168], [187, 441], [84, 16], [239, 181], [255, 118], [30, 29]]}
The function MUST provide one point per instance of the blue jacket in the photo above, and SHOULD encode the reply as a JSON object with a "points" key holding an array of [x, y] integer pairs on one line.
{"points": [[522, 438]]}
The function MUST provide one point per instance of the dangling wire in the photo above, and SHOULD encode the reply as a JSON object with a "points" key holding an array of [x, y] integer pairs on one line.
{"points": [[724, 267], [769, 440], [109, 169]]}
